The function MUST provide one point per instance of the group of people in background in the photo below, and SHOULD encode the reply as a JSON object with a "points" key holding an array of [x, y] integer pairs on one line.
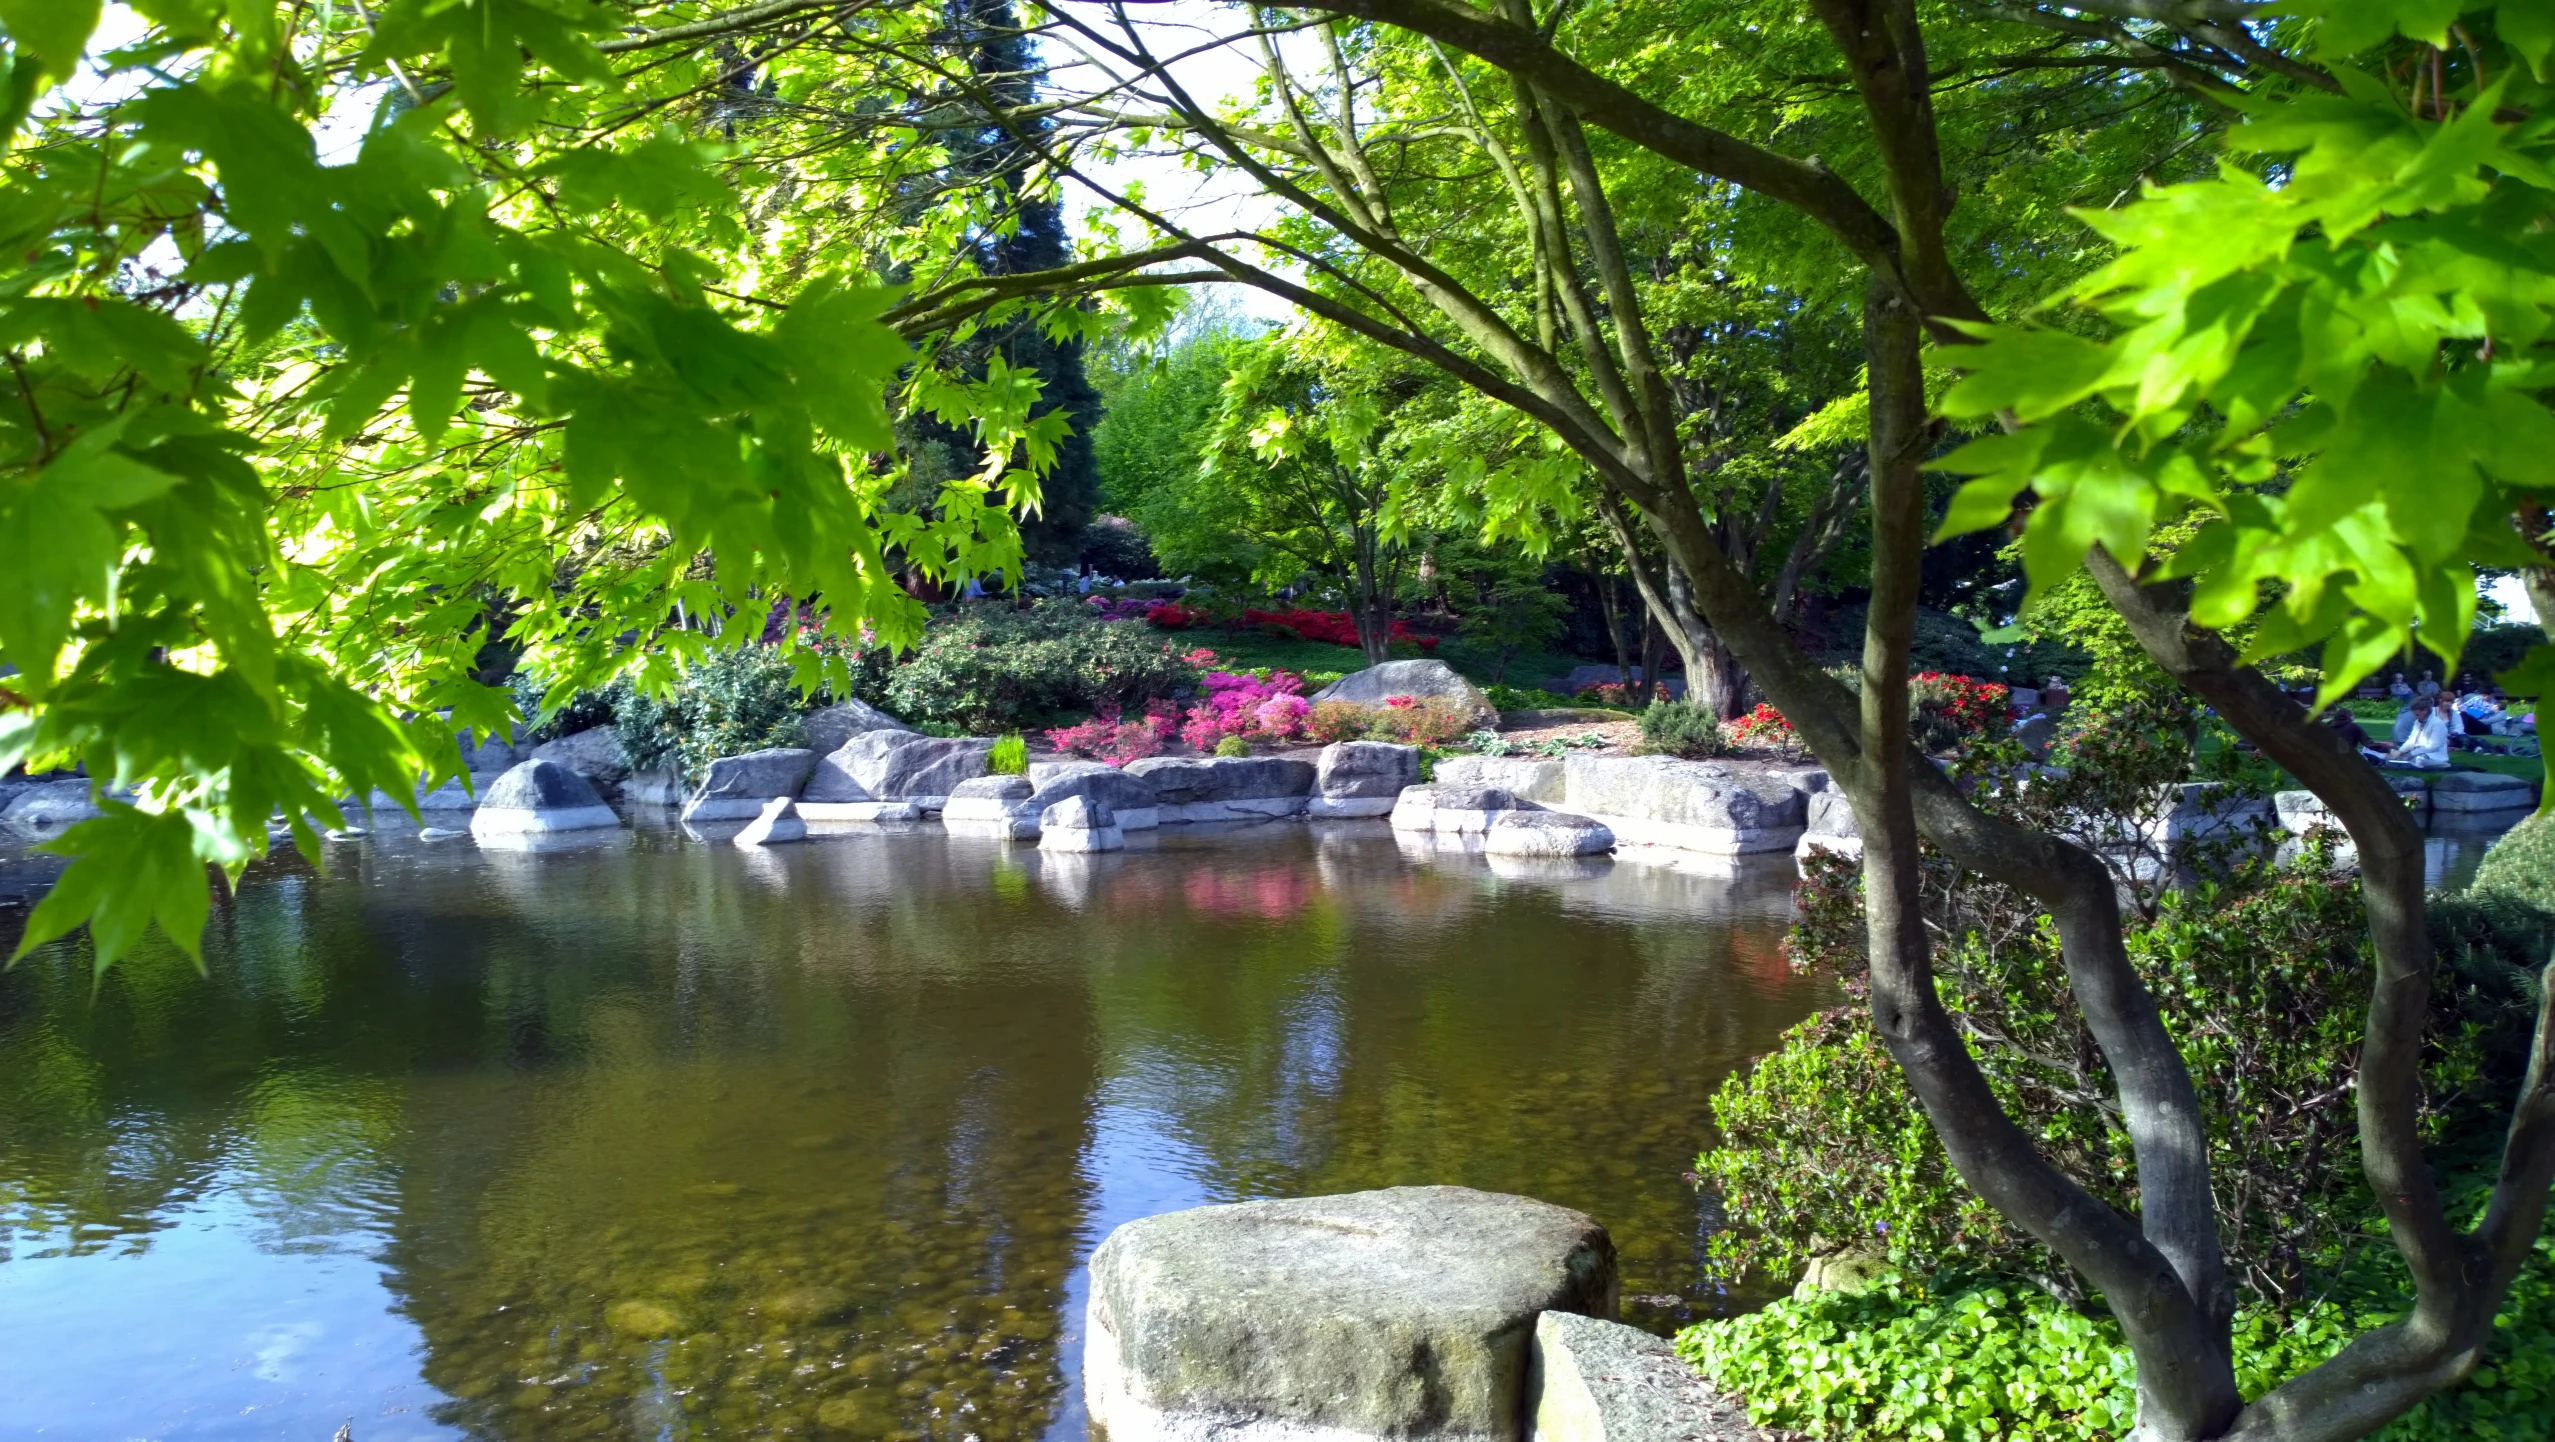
{"points": [[2431, 721]]}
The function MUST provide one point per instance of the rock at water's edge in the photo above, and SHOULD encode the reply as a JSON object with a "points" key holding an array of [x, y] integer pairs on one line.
{"points": [[828, 727], [1404, 1313], [1597, 1381], [741, 785], [539, 796], [1365, 770], [777, 822]]}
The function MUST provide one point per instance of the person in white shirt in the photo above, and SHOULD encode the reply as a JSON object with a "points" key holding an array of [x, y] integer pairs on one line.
{"points": [[2428, 745]]}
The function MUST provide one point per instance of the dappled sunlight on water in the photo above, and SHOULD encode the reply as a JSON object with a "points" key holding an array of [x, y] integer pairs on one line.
{"points": [[651, 1138]]}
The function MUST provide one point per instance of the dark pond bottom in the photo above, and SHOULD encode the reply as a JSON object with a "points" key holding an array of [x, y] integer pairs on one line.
{"points": [[657, 1139]]}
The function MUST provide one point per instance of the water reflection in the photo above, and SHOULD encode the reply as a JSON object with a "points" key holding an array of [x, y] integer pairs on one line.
{"points": [[662, 1138]]}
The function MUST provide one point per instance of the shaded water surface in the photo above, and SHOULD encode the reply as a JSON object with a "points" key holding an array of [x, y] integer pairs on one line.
{"points": [[659, 1139]]}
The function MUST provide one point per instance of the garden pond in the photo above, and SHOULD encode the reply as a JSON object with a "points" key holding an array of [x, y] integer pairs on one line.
{"points": [[651, 1137]]}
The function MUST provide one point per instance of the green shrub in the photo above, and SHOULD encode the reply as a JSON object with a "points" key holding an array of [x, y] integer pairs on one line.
{"points": [[1681, 728], [1527, 698], [582, 711], [988, 668], [728, 702], [1010, 756], [1233, 746], [2521, 865], [1978, 1360], [2264, 987]]}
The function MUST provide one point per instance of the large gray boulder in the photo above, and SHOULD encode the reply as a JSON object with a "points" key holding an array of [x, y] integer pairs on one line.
{"points": [[1371, 686], [1535, 778], [2302, 811], [2481, 791], [828, 727], [902, 766], [1591, 1380], [992, 805], [455, 793], [1361, 778], [594, 753], [1694, 805], [1079, 823], [1454, 810], [1042, 772], [492, 754], [1831, 827], [540, 796], [1130, 798], [1407, 1313], [1226, 788], [738, 786], [777, 822], [43, 810], [1545, 833]]}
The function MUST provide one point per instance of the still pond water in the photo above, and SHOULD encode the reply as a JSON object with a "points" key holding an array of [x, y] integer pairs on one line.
{"points": [[657, 1139]]}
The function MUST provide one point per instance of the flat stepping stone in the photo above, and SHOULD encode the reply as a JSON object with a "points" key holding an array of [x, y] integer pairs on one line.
{"points": [[1405, 1313]]}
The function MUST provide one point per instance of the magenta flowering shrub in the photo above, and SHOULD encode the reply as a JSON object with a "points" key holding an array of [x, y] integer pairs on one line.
{"points": [[1117, 740], [1250, 706]]}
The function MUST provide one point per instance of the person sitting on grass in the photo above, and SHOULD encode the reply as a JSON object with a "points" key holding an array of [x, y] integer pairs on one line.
{"points": [[2347, 726], [2482, 714], [2425, 746]]}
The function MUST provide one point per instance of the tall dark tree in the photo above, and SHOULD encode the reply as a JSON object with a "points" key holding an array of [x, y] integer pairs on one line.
{"points": [[1030, 237]]}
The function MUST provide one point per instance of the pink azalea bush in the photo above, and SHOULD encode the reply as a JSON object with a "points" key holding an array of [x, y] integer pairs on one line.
{"points": [[1251, 706], [1109, 737]]}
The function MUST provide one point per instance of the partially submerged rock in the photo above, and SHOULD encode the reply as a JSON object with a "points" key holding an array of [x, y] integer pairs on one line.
{"points": [[1405, 1313], [2481, 791], [1831, 827], [1417, 679], [995, 805], [540, 796], [45, 809], [1226, 788], [1079, 823], [1534, 778], [1361, 778], [777, 822], [901, 766], [1545, 833], [1695, 805], [594, 753], [740, 786], [1129, 798], [1453, 810]]}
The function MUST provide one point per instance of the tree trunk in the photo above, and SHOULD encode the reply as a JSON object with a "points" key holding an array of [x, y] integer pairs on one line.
{"points": [[1613, 612], [1714, 677], [1368, 608]]}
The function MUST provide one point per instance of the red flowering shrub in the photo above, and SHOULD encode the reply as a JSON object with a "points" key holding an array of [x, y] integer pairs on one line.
{"points": [[1107, 737], [1764, 726], [1172, 616], [1335, 627], [1966, 702]]}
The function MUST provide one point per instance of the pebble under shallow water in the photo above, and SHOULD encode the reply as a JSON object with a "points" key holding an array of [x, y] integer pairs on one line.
{"points": [[650, 1138]]}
